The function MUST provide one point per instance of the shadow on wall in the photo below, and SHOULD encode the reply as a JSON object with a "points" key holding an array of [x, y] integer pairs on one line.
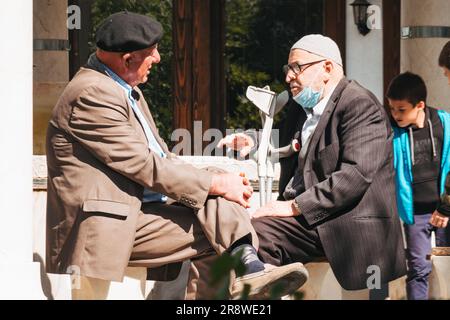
{"points": [[45, 280]]}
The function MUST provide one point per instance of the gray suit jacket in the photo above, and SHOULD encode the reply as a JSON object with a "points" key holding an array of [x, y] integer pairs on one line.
{"points": [[349, 188]]}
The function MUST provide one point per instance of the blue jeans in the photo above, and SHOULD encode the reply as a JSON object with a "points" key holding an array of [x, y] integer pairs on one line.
{"points": [[418, 246]]}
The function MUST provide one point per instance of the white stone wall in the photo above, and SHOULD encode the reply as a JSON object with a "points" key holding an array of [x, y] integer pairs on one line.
{"points": [[19, 276], [420, 55], [364, 54]]}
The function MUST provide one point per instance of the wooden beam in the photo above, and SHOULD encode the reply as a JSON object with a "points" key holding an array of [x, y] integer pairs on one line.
{"points": [[79, 39], [334, 21], [201, 69], [182, 68], [199, 78], [391, 42], [201, 62], [218, 105]]}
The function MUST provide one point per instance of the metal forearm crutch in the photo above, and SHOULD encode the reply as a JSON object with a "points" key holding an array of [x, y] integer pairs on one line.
{"points": [[269, 104]]}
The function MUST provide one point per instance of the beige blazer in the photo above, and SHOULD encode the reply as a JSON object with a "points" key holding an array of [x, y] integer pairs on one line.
{"points": [[99, 161]]}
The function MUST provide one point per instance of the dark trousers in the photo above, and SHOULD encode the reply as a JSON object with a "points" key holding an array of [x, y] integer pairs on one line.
{"points": [[281, 241], [287, 240], [418, 246]]}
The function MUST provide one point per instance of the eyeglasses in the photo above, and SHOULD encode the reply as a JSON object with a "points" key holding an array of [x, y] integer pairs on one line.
{"points": [[298, 68]]}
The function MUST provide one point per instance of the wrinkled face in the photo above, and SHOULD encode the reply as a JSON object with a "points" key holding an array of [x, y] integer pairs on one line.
{"points": [[140, 63], [447, 74], [312, 74], [404, 113]]}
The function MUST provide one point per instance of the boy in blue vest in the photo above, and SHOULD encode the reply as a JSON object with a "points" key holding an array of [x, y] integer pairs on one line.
{"points": [[444, 63], [421, 162]]}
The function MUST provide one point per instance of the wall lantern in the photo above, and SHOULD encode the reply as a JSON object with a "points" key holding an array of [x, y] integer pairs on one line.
{"points": [[360, 15]]}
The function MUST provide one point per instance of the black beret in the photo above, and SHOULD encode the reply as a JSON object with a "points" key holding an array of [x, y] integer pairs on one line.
{"points": [[127, 32]]}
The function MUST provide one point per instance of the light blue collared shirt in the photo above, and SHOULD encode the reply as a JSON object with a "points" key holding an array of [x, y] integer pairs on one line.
{"points": [[153, 145]]}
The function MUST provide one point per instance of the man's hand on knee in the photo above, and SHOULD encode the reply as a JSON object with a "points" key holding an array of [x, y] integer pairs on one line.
{"points": [[277, 209]]}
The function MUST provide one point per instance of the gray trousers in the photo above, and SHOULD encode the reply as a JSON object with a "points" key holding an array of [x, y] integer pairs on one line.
{"points": [[418, 246]]}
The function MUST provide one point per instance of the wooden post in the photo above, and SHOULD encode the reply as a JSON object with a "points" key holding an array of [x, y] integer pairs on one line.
{"points": [[182, 69], [391, 42], [79, 39], [198, 38], [334, 17]]}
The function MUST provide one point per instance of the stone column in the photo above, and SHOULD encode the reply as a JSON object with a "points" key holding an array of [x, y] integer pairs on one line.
{"points": [[19, 276], [50, 67], [420, 55]]}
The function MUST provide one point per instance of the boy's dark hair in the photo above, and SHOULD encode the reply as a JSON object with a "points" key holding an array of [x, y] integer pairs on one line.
{"points": [[444, 57], [407, 86]]}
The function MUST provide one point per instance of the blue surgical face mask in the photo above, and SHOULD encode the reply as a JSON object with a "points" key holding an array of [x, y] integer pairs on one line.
{"points": [[308, 98]]}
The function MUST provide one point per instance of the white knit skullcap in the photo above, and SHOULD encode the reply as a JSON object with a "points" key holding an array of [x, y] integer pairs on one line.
{"points": [[320, 45]]}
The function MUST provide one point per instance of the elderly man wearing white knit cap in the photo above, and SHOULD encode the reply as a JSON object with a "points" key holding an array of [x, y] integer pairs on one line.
{"points": [[340, 203]]}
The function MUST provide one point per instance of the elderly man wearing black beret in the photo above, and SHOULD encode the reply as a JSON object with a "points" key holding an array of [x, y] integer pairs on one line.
{"points": [[117, 197]]}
